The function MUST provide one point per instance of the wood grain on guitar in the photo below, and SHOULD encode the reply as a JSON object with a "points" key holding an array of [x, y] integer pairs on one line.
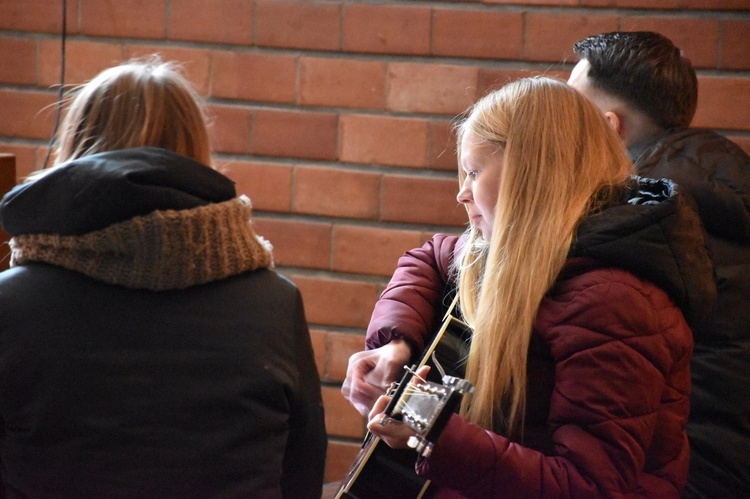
{"points": [[425, 405]]}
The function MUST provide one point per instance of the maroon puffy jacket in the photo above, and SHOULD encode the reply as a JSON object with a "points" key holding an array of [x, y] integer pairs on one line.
{"points": [[608, 376]]}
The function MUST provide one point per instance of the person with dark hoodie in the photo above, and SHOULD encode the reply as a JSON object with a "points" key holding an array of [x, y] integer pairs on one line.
{"points": [[648, 91], [147, 346]]}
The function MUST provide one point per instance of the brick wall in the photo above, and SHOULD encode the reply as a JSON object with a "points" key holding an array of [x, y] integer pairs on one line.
{"points": [[334, 117]]}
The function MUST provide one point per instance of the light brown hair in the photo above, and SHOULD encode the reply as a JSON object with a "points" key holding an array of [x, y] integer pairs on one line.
{"points": [[139, 103], [561, 161]]}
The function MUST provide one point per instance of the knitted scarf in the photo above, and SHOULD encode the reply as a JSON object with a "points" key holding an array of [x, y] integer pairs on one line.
{"points": [[166, 249]]}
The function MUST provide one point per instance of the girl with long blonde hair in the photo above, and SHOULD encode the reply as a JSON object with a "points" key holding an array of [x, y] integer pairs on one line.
{"points": [[576, 279], [541, 199]]}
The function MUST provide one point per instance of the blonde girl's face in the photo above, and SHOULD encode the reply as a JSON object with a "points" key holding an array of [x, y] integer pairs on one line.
{"points": [[482, 164]]}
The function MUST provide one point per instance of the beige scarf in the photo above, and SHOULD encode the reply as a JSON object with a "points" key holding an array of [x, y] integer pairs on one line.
{"points": [[169, 249]]}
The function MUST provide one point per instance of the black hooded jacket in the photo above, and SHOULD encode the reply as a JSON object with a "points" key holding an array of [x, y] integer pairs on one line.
{"points": [[715, 173], [111, 391]]}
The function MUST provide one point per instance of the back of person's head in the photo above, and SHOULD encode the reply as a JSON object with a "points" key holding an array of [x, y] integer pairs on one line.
{"points": [[646, 70], [143, 102], [560, 161]]}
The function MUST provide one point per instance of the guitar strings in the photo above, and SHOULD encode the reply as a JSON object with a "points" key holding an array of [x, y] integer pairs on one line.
{"points": [[416, 393], [411, 391], [409, 369], [438, 366]]}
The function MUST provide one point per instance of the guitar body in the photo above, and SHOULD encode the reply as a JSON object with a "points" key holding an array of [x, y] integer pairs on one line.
{"points": [[380, 472]]}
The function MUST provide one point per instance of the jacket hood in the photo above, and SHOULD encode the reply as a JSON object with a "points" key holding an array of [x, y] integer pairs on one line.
{"points": [[710, 168], [96, 191], [657, 236]]}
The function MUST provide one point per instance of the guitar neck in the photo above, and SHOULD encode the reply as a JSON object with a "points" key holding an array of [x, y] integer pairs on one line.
{"points": [[381, 472]]}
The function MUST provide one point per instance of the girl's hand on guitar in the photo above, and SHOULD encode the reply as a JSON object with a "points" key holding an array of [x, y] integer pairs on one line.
{"points": [[371, 372], [394, 433]]}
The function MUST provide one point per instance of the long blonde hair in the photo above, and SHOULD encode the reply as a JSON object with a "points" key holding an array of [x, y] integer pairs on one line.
{"points": [[561, 161], [143, 102]]}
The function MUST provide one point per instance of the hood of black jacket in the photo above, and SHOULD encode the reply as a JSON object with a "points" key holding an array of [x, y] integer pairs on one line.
{"points": [[658, 236], [96, 191]]}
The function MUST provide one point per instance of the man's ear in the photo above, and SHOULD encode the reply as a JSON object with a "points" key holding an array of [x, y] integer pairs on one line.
{"points": [[614, 121]]}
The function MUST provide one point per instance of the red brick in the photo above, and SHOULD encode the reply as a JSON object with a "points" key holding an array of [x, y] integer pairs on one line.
{"points": [[342, 419], [295, 134], [715, 4], [723, 103], [421, 200], [736, 45], [429, 234], [337, 302], [492, 79], [546, 3], [18, 60], [431, 88], [28, 158], [341, 347], [391, 29], [742, 141], [384, 140], [477, 33], [338, 193], [254, 77], [194, 64], [342, 83], [297, 243], [701, 50], [318, 340], [303, 24], [634, 4], [550, 36], [339, 459], [368, 250], [37, 15], [442, 146], [83, 60], [230, 129], [7, 171], [268, 185], [198, 20], [33, 114], [123, 18]]}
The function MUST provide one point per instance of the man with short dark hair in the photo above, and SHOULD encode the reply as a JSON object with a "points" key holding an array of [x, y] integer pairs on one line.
{"points": [[648, 91]]}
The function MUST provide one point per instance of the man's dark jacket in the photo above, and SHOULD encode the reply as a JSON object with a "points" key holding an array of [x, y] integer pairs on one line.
{"points": [[716, 173]]}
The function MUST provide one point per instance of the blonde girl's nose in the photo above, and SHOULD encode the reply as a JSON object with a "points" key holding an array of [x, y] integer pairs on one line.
{"points": [[464, 193]]}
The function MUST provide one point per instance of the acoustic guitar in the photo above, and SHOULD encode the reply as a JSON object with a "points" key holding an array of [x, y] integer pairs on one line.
{"points": [[425, 405]]}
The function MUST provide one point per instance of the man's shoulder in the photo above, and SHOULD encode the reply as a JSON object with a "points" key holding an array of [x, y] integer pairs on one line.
{"points": [[697, 144], [692, 153]]}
